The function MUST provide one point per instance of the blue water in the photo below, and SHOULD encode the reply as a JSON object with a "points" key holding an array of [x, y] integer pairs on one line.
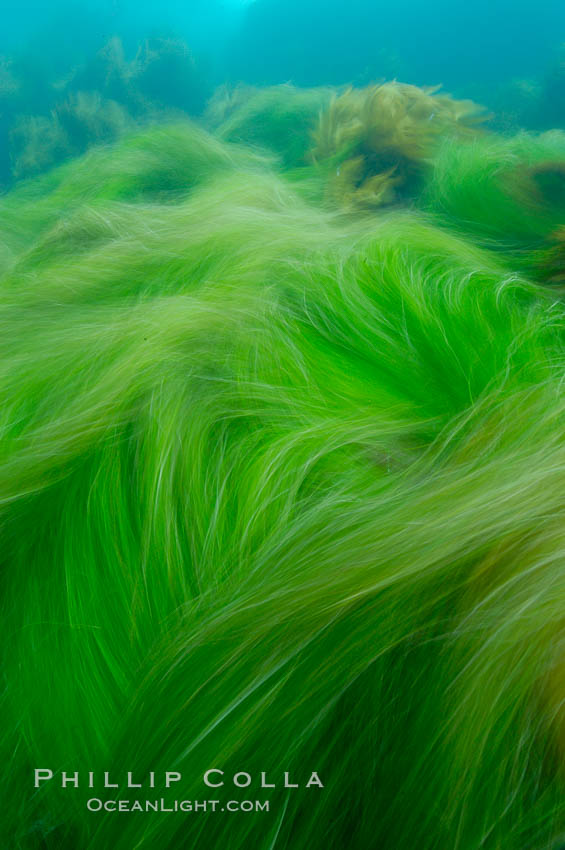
{"points": [[314, 41]]}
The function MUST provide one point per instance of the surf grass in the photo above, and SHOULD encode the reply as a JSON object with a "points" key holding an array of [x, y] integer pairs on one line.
{"points": [[159, 164], [506, 193], [280, 491], [279, 119]]}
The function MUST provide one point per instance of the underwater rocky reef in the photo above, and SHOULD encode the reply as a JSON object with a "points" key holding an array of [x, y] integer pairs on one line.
{"points": [[52, 111], [281, 488], [47, 118]]}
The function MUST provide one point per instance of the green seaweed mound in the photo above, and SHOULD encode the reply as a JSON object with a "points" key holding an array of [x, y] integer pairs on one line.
{"points": [[278, 118]]}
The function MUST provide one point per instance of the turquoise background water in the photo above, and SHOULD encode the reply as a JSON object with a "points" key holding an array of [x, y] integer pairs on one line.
{"points": [[313, 41]]}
